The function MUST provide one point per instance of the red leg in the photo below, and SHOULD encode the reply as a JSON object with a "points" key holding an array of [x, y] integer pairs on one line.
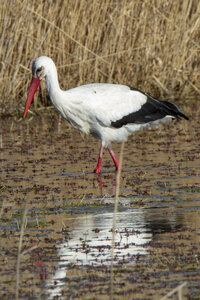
{"points": [[98, 168], [114, 157]]}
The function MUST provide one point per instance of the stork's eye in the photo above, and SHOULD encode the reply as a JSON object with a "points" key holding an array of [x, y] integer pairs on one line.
{"points": [[39, 70]]}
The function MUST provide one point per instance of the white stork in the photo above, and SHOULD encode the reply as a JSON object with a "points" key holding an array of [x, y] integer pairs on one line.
{"points": [[110, 112]]}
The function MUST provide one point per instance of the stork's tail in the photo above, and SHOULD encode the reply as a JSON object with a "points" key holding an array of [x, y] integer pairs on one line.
{"points": [[173, 110]]}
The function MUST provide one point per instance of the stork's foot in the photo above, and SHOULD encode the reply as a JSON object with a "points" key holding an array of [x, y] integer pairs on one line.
{"points": [[97, 170]]}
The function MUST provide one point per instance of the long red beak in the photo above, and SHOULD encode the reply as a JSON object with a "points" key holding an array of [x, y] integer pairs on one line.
{"points": [[35, 82]]}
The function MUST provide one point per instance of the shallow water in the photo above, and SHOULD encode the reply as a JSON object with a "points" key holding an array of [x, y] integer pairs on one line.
{"points": [[69, 212]]}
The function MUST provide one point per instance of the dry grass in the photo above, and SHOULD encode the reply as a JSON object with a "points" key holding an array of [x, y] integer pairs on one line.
{"points": [[153, 45]]}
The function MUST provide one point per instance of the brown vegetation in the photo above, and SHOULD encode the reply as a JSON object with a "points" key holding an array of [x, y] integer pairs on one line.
{"points": [[152, 45]]}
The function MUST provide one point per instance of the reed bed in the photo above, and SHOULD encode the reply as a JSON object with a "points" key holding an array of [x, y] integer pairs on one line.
{"points": [[152, 45]]}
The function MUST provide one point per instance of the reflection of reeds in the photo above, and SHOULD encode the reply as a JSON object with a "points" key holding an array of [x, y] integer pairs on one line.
{"points": [[115, 219], [152, 45]]}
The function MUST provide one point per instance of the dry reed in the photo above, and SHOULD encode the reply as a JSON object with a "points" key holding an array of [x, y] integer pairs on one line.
{"points": [[118, 179], [19, 252], [152, 45], [178, 290]]}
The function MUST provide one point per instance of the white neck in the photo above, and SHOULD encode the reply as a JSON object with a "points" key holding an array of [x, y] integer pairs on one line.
{"points": [[53, 87]]}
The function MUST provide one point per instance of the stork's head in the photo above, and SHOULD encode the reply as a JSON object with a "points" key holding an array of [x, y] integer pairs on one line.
{"points": [[40, 69]]}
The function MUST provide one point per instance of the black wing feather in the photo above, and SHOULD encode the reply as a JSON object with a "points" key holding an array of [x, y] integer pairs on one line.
{"points": [[152, 110]]}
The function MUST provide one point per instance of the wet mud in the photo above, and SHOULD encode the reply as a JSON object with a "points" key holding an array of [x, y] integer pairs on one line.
{"points": [[46, 172]]}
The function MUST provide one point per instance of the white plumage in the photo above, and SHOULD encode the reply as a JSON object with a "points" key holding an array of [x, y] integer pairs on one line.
{"points": [[110, 112]]}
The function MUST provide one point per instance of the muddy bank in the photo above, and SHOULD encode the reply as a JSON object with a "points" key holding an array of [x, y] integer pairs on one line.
{"points": [[67, 238]]}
